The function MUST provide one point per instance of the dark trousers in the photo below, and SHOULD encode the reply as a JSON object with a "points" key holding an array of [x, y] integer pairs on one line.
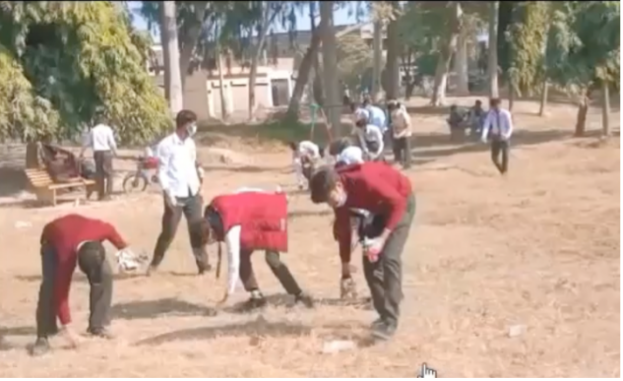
{"points": [[100, 295], [191, 207], [103, 173], [281, 271], [402, 151], [384, 277], [500, 148]]}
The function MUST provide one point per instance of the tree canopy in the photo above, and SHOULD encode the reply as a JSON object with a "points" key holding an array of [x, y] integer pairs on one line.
{"points": [[63, 62]]}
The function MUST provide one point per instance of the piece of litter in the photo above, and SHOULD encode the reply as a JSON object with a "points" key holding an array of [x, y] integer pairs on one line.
{"points": [[336, 346], [516, 330], [22, 224]]}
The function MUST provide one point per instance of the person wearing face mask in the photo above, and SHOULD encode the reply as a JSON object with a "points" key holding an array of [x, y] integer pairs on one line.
{"points": [[248, 220], [385, 197], [180, 177]]}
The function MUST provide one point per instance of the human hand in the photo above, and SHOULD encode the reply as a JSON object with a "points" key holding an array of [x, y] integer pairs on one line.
{"points": [[348, 288], [373, 247], [170, 200]]}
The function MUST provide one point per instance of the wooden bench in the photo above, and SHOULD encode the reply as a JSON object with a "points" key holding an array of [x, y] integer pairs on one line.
{"points": [[45, 188]]}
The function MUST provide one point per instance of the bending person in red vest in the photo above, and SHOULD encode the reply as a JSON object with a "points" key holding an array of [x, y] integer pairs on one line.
{"points": [[384, 198], [248, 220], [67, 241]]}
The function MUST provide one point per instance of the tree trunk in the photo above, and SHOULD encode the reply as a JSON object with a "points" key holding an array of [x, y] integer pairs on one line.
{"points": [[492, 67], [221, 83], [461, 66], [170, 47], [544, 97], [303, 72], [268, 16], [605, 108], [190, 40], [329, 57], [511, 96], [393, 50], [317, 90], [580, 124], [445, 57], [377, 60]]}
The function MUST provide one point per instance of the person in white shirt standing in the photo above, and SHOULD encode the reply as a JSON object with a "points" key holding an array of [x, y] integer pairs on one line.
{"points": [[401, 130], [305, 155], [101, 139], [498, 127], [180, 177]]}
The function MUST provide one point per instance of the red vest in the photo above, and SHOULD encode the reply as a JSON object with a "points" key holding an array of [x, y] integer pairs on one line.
{"points": [[261, 216]]}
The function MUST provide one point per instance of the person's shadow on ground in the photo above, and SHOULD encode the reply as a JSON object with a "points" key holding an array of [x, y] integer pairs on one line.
{"points": [[149, 309]]}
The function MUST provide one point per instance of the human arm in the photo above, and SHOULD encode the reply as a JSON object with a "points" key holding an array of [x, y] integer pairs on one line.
{"points": [[110, 234], [486, 126], [342, 232], [111, 141], [509, 124], [163, 154], [378, 136], [232, 240]]}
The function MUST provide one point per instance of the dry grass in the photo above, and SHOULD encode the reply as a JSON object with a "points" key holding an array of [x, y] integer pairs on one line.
{"points": [[539, 248]]}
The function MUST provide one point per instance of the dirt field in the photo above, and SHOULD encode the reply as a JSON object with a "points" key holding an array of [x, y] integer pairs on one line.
{"points": [[535, 253]]}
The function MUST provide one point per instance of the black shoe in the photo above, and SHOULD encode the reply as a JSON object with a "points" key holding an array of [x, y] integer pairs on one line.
{"points": [[384, 331], [254, 303], [40, 348], [377, 323], [304, 298], [101, 333]]}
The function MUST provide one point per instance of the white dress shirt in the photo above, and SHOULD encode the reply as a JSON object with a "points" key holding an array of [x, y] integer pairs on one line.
{"points": [[100, 138], [500, 123], [371, 133], [350, 155], [177, 170]]}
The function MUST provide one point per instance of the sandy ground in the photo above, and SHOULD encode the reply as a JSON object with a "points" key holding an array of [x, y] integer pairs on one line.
{"points": [[535, 253]]}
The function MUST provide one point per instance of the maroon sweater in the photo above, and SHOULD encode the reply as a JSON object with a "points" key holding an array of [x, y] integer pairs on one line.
{"points": [[375, 187], [65, 234]]}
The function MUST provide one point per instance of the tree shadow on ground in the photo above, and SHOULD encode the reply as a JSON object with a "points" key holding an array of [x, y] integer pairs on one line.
{"points": [[79, 277], [18, 331], [520, 138], [13, 181], [150, 309], [244, 168], [257, 328]]}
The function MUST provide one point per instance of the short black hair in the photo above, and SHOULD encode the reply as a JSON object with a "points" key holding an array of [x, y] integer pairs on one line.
{"points": [[494, 102], [321, 183], [478, 102], [293, 145], [185, 117]]}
